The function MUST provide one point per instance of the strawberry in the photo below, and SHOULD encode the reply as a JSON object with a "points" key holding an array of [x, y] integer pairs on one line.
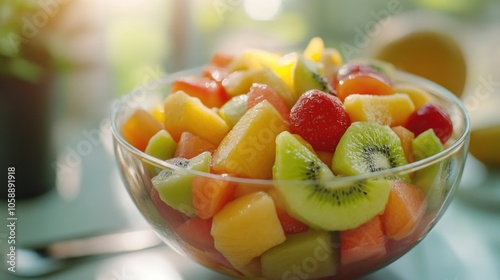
{"points": [[320, 118], [431, 116]]}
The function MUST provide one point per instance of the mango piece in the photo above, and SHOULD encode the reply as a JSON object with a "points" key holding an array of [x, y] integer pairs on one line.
{"points": [[139, 128], [418, 95], [406, 137], [239, 82], [248, 149], [314, 50], [284, 68], [186, 113], [253, 59], [247, 227], [392, 110]]}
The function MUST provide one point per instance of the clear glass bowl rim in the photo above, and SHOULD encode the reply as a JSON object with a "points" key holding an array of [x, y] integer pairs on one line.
{"points": [[434, 88]]}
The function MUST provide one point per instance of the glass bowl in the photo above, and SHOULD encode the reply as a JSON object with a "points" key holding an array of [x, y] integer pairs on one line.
{"points": [[323, 258]]}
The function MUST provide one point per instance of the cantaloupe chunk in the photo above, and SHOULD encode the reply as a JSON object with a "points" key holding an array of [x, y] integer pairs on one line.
{"points": [[392, 110], [139, 128], [186, 113], [363, 242], [247, 227], [406, 137], [191, 145], [248, 149], [404, 210]]}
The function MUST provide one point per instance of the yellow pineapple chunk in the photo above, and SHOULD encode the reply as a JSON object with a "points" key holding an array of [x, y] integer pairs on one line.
{"points": [[247, 227], [239, 82], [186, 113], [314, 50], [392, 110], [418, 95], [254, 59], [248, 149]]}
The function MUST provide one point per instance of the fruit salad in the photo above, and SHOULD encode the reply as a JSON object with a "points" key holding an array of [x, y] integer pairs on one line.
{"points": [[262, 149]]}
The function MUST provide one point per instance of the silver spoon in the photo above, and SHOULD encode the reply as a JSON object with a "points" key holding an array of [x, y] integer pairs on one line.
{"points": [[42, 260]]}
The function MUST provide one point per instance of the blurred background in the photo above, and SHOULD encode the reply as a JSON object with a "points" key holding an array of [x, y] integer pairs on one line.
{"points": [[63, 62]]}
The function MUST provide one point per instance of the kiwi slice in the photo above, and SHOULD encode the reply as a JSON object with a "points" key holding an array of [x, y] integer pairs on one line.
{"points": [[174, 187], [434, 180], [309, 255], [306, 77], [322, 202], [368, 147]]}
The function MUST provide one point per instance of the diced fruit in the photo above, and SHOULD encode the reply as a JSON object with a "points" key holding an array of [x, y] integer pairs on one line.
{"points": [[404, 210], [221, 59], [210, 93], [348, 205], [284, 68], [375, 67], [158, 114], [191, 145], [186, 113], [406, 137], [325, 157], [175, 187], [431, 116], [306, 77], [363, 83], [215, 73], [170, 216], [210, 195], [431, 179], [239, 82], [289, 224], [259, 92], [314, 49], [253, 59], [234, 109], [319, 118], [418, 95], [308, 255], [248, 149], [392, 110], [364, 242], [139, 128], [161, 145], [196, 232], [247, 227], [331, 60], [368, 147]]}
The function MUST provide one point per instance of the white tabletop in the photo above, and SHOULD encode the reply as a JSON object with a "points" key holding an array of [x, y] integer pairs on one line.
{"points": [[91, 197]]}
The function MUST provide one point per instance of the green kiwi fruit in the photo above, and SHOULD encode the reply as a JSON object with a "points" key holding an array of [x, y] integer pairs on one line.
{"points": [[434, 180], [306, 77], [322, 202], [309, 255], [174, 187], [368, 147]]}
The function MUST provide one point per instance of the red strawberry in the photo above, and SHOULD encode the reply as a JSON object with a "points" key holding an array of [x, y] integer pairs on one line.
{"points": [[320, 118], [431, 116]]}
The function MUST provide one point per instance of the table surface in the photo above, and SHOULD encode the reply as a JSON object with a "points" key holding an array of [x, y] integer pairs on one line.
{"points": [[90, 197]]}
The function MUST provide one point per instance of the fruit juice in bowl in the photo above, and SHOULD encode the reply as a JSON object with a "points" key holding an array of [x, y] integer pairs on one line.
{"points": [[294, 166]]}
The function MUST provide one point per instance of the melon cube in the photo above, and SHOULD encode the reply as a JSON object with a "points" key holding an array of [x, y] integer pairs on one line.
{"points": [[392, 110], [186, 113], [247, 227], [248, 149]]}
